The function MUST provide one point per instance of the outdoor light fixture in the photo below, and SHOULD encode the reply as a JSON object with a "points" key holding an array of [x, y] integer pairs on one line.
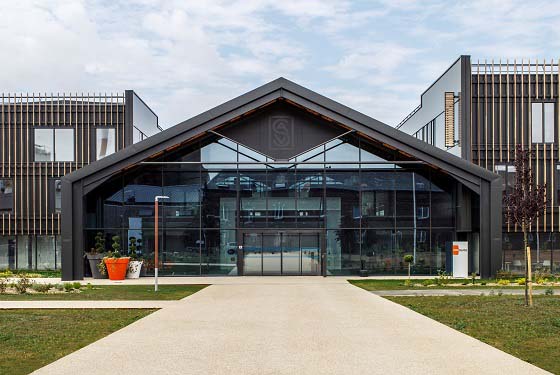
{"points": [[156, 235]]}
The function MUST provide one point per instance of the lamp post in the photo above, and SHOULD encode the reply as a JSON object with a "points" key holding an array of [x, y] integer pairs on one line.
{"points": [[156, 235]]}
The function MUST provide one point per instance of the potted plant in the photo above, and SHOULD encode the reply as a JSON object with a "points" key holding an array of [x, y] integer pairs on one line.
{"points": [[135, 264], [116, 264], [95, 256]]}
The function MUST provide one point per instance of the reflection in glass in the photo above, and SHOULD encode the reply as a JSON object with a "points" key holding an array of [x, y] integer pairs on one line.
{"points": [[105, 142], [44, 145], [64, 144]]}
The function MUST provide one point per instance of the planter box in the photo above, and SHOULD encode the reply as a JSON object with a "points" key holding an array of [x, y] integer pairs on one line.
{"points": [[94, 260], [134, 267], [364, 273], [117, 267]]}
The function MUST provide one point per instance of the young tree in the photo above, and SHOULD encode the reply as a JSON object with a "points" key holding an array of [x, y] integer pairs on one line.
{"points": [[524, 204]]}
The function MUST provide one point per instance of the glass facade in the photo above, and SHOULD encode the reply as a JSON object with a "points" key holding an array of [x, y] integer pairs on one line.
{"points": [[338, 209], [30, 252]]}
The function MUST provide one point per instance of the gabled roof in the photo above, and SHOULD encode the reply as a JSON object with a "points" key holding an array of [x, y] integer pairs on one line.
{"points": [[283, 89]]}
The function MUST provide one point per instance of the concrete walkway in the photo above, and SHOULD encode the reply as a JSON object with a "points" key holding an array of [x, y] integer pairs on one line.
{"points": [[287, 326]]}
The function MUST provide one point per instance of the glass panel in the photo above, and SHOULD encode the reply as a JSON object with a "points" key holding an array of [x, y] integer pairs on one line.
{"points": [[6, 195], [271, 254], [7, 252], [343, 251], [253, 191], [343, 153], [440, 246], [45, 247], [291, 255], [64, 144], [310, 253], [377, 250], [252, 254], [216, 152], [180, 252], [141, 186], [219, 197], [308, 187], [281, 201], [378, 198], [25, 254], [442, 208], [549, 122], [182, 186], [219, 252], [105, 142], [536, 122], [343, 198], [44, 145]]}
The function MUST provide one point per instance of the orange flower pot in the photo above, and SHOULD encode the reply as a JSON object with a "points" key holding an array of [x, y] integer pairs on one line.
{"points": [[116, 267]]}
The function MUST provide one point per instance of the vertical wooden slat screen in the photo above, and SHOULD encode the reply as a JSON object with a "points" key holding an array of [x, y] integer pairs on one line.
{"points": [[502, 98], [33, 209]]}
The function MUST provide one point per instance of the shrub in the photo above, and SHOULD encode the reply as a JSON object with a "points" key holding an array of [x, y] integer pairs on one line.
{"points": [[520, 281], [3, 285], [22, 284], [483, 283], [427, 282], [59, 287], [68, 287], [407, 282], [503, 282], [503, 274], [77, 285], [6, 273], [41, 288], [443, 278], [89, 286], [549, 292]]}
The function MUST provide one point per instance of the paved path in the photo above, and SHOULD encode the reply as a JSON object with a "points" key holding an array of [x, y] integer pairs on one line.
{"points": [[456, 292], [292, 326]]}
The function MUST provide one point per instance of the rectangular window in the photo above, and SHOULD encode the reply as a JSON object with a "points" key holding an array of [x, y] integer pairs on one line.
{"points": [[44, 145], [542, 122], [6, 194], [508, 175], [105, 144], [54, 144], [64, 145]]}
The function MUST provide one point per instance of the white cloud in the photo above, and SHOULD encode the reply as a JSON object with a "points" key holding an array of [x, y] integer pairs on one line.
{"points": [[184, 57]]}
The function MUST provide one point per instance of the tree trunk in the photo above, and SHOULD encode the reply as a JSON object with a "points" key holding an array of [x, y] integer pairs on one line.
{"points": [[525, 246], [409, 270]]}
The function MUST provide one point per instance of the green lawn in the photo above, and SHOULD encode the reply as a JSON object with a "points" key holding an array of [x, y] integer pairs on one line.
{"points": [[532, 334], [387, 284], [31, 339], [113, 292]]}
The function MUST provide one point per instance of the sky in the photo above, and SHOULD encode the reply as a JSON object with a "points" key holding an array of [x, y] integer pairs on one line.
{"points": [[185, 57]]}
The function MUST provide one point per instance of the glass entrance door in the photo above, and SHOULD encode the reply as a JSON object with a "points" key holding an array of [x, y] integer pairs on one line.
{"points": [[281, 253]]}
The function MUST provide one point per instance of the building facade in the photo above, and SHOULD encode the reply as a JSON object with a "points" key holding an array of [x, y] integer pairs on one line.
{"points": [[284, 181], [480, 112], [42, 138]]}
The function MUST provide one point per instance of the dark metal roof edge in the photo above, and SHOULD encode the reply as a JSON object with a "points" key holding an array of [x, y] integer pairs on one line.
{"points": [[279, 85]]}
